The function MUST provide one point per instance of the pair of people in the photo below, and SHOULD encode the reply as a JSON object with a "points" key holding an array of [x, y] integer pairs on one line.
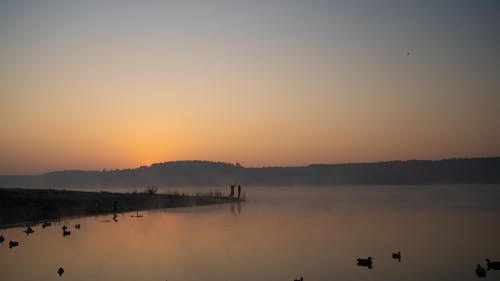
{"points": [[232, 191]]}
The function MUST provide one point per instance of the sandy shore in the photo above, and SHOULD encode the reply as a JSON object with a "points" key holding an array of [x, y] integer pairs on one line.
{"points": [[30, 206]]}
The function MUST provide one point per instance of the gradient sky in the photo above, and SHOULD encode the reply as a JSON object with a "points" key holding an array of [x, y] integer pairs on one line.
{"points": [[113, 84]]}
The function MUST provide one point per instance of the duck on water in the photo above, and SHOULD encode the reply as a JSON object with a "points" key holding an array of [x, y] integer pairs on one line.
{"points": [[29, 230], [495, 265], [397, 256], [365, 262], [480, 271], [13, 244]]}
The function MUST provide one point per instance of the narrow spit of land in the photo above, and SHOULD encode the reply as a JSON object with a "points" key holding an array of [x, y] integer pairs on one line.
{"points": [[20, 206]]}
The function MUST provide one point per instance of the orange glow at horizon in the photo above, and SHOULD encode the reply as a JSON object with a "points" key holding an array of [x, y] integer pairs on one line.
{"points": [[89, 86]]}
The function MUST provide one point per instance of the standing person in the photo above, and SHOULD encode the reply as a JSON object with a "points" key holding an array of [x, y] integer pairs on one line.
{"points": [[239, 191], [232, 191]]}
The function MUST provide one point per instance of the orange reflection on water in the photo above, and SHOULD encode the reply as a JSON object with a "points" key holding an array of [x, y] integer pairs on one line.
{"points": [[280, 234]]}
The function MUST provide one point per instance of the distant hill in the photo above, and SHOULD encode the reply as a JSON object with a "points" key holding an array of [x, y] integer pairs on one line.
{"points": [[205, 173]]}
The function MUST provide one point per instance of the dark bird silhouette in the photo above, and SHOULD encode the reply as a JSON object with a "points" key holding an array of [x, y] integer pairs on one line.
{"points": [[365, 262], [301, 279], [46, 224], [77, 226], [480, 272], [60, 271], [13, 244], [408, 54], [495, 265], [1, 238], [66, 233], [64, 227], [29, 230], [397, 256]]}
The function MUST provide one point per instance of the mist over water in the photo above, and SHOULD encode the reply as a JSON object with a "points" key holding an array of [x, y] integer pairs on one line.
{"points": [[280, 233]]}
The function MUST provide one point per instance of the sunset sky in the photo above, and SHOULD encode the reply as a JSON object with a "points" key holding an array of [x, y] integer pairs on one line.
{"points": [[117, 84]]}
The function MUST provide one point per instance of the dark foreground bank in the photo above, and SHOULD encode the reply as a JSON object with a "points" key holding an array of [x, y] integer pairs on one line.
{"points": [[26, 206]]}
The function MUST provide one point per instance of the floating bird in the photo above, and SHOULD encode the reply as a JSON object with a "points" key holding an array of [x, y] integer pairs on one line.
{"points": [[66, 232], [397, 256], [493, 264], [29, 230], [13, 244], [60, 271], [365, 262], [301, 279], [480, 272], [77, 226], [46, 224], [1, 238]]}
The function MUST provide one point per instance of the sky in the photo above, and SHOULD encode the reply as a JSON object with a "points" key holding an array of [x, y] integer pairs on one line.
{"points": [[101, 84]]}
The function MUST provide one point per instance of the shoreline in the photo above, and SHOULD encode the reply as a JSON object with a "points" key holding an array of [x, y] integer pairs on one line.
{"points": [[22, 207]]}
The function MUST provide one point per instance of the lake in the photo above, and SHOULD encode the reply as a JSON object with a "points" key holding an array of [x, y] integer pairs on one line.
{"points": [[280, 233]]}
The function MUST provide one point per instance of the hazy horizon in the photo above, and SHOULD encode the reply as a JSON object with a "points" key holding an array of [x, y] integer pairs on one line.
{"points": [[97, 85], [193, 161]]}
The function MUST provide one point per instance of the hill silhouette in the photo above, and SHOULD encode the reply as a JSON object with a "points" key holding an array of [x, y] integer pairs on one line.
{"points": [[206, 173]]}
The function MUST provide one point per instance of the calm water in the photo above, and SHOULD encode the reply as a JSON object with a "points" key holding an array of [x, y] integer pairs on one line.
{"points": [[443, 232]]}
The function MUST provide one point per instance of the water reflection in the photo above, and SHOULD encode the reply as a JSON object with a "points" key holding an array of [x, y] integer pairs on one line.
{"points": [[284, 233], [235, 208]]}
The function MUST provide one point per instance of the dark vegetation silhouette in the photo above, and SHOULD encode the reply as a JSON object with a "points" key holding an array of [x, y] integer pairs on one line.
{"points": [[205, 173], [151, 190]]}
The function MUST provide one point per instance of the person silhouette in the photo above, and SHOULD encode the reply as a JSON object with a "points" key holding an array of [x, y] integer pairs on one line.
{"points": [[239, 191], [232, 191]]}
